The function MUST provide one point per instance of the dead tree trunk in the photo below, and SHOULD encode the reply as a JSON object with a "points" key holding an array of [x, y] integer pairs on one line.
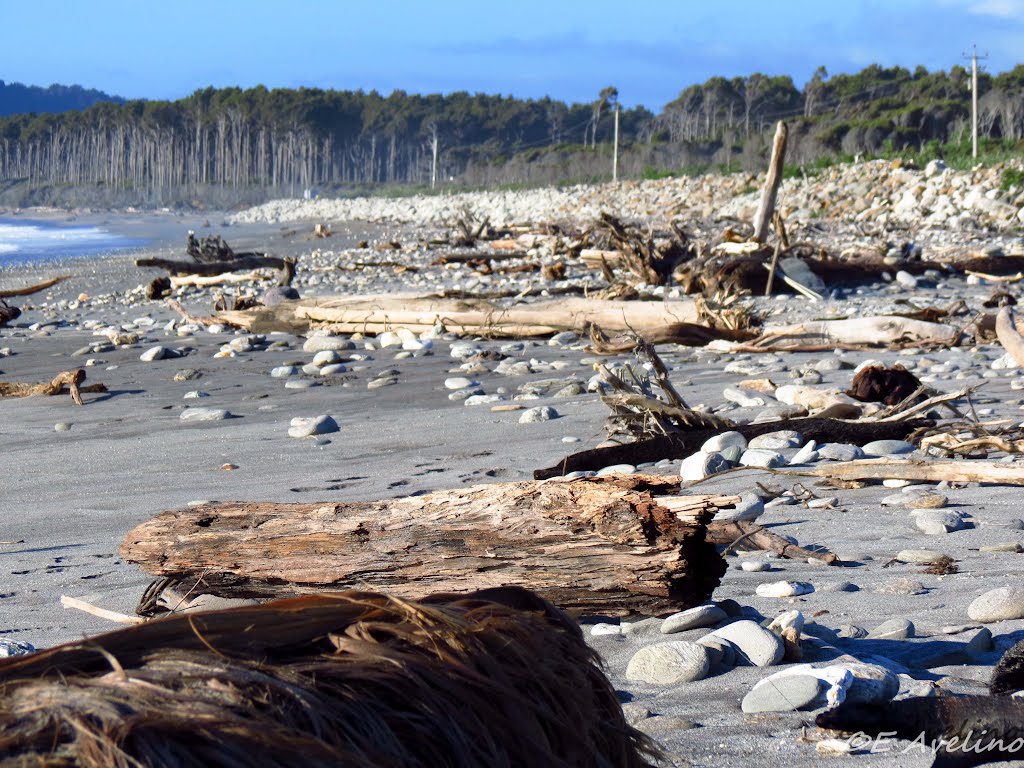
{"points": [[771, 185], [609, 545]]}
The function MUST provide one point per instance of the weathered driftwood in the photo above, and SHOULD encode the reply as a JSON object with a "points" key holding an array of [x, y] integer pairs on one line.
{"points": [[177, 281], [932, 470], [877, 330], [685, 334], [1008, 335], [731, 533], [959, 731], [30, 289], [8, 313], [770, 190], [70, 379], [285, 266], [375, 314], [682, 444], [600, 545], [498, 678]]}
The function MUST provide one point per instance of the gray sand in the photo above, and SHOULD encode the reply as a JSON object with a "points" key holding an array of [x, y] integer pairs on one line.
{"points": [[71, 496]]}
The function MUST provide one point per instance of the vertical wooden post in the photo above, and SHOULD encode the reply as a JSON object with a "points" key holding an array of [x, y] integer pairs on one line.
{"points": [[615, 151], [433, 165], [771, 184]]}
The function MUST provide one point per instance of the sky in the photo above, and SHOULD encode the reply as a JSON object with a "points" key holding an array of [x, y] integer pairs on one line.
{"points": [[566, 49]]}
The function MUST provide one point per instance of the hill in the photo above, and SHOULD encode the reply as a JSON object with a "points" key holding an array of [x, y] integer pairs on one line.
{"points": [[16, 98]]}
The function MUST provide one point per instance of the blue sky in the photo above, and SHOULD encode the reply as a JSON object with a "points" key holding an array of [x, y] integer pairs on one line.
{"points": [[566, 49]]}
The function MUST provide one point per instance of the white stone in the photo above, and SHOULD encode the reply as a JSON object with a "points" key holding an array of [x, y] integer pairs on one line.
{"points": [[675, 661], [753, 643], [784, 589], [1002, 604]]}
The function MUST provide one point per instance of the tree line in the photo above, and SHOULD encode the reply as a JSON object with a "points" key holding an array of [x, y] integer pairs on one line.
{"points": [[282, 141]]}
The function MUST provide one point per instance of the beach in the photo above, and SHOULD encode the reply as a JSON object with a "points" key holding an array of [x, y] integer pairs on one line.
{"points": [[79, 478]]}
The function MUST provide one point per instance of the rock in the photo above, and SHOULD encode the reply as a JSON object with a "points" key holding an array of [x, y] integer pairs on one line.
{"points": [[158, 353], [61, 426], [785, 693], [459, 382], [597, 630], [701, 616], [15, 647], [731, 454], [784, 589], [541, 413], [284, 371], [315, 425], [326, 344], [888, 448], [851, 632], [676, 661], [699, 465], [775, 441], [724, 440], [634, 713], [277, 294], [326, 357], [937, 521], [749, 507], [755, 457], [616, 469], [187, 374], [333, 369], [916, 498], [796, 268], [906, 280], [894, 629], [755, 566], [919, 556], [204, 414], [1002, 604], [805, 455], [871, 684], [934, 168], [840, 452], [754, 644], [902, 587]]}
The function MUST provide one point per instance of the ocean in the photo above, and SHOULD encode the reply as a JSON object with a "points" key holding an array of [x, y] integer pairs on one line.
{"points": [[26, 240]]}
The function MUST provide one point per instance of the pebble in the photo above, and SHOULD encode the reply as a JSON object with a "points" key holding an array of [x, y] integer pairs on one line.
{"points": [[872, 683], [937, 521], [1002, 604], [785, 693], [916, 498], [701, 465], [894, 629], [597, 630], [902, 587], [541, 413], [283, 371], [333, 369], [753, 643], [61, 426], [888, 448], [676, 661], [326, 357], [327, 343], [774, 441], [204, 414], [1012, 547], [840, 452], [299, 384], [315, 425], [806, 455], [755, 566], [460, 382], [919, 556], [693, 618], [755, 457], [15, 647], [749, 507], [385, 381], [784, 589], [724, 440], [158, 353]]}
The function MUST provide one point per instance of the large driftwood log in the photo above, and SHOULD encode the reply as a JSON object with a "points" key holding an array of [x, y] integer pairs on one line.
{"points": [[30, 289], [609, 545], [375, 314], [876, 330], [682, 444], [285, 266]]}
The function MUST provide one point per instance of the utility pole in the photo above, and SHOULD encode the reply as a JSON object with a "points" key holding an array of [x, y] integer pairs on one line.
{"points": [[974, 98], [615, 151]]}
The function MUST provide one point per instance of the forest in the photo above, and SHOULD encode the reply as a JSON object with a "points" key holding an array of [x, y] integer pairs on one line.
{"points": [[226, 146]]}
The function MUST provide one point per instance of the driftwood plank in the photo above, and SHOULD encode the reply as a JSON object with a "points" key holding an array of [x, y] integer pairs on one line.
{"points": [[601, 545]]}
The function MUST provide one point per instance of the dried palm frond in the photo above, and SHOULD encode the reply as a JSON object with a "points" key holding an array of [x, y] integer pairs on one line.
{"points": [[498, 677]]}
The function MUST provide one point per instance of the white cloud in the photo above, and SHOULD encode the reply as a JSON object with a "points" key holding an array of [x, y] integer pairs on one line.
{"points": [[1004, 9]]}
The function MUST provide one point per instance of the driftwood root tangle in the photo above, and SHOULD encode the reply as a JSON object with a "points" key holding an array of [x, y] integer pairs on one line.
{"points": [[610, 545], [70, 379], [879, 384], [493, 678]]}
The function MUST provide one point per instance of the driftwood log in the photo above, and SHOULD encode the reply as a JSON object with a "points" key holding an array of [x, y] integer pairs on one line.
{"points": [[71, 379], [375, 314], [932, 470], [609, 545], [496, 678], [770, 190], [285, 266], [30, 289], [682, 444]]}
